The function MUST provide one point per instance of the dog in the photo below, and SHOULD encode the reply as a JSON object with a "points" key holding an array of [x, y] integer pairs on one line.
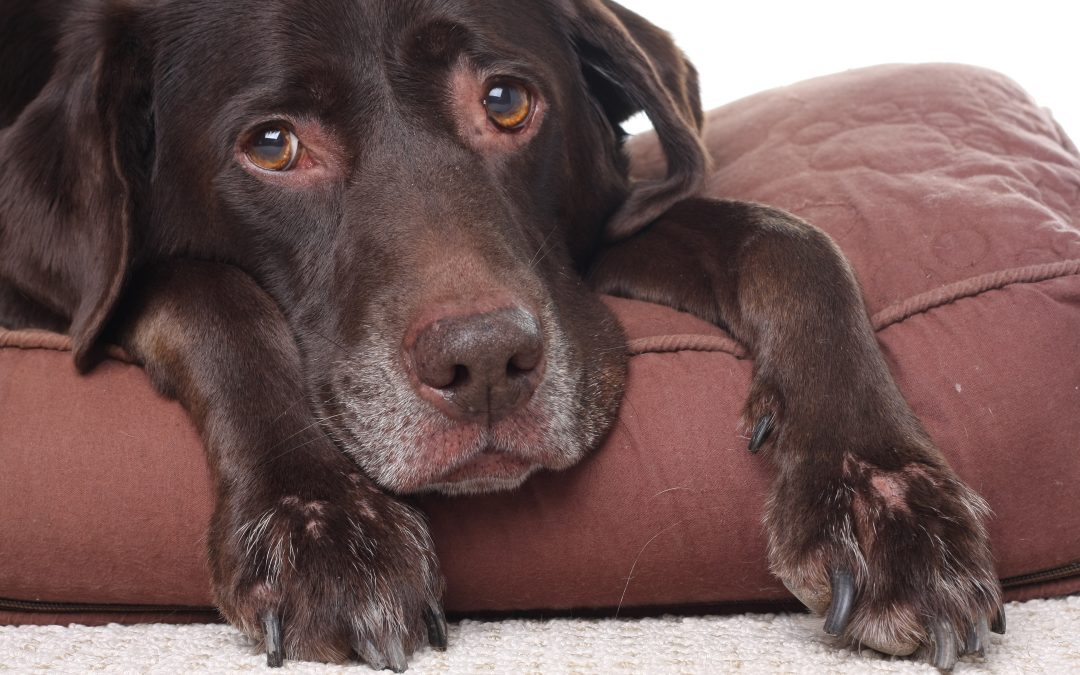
{"points": [[363, 242]]}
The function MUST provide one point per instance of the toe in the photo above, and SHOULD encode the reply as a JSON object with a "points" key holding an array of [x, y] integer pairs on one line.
{"points": [[895, 646], [816, 600]]}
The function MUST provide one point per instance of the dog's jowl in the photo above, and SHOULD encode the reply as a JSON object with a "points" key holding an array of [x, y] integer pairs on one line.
{"points": [[363, 241]]}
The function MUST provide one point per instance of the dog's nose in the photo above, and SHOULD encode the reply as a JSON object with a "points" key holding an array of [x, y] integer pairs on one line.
{"points": [[480, 366]]}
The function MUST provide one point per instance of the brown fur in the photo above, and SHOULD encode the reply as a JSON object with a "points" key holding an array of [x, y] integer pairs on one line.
{"points": [[300, 316]]}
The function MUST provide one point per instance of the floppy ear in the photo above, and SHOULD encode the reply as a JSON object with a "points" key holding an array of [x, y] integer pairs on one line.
{"points": [[69, 166], [633, 66]]}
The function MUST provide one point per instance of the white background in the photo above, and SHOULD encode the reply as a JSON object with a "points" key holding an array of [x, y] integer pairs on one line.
{"points": [[744, 46]]}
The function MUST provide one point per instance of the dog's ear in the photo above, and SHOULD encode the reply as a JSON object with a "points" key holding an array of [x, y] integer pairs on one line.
{"points": [[632, 66], [73, 160]]}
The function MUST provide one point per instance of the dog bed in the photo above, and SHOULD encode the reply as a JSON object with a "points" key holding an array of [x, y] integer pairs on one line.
{"points": [[955, 197]]}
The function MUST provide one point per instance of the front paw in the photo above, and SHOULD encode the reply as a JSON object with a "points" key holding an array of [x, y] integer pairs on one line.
{"points": [[886, 541], [340, 571]]}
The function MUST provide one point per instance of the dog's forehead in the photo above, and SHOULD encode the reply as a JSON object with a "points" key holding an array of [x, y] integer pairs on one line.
{"points": [[348, 50], [261, 32]]}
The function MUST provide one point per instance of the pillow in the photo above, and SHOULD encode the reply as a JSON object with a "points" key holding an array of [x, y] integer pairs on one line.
{"points": [[957, 201]]}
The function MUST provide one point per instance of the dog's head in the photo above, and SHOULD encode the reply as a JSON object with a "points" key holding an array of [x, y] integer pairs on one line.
{"points": [[420, 185]]}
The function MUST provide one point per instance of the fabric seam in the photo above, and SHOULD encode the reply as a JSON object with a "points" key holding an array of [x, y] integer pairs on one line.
{"points": [[890, 316], [672, 344]]}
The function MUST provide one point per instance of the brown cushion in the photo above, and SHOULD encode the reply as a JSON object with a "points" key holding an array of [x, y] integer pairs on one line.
{"points": [[957, 200]]}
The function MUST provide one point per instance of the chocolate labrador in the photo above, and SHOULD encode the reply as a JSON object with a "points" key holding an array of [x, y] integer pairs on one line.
{"points": [[362, 242]]}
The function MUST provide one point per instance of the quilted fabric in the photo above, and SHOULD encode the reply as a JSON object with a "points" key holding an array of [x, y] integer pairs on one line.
{"points": [[924, 175], [957, 200]]}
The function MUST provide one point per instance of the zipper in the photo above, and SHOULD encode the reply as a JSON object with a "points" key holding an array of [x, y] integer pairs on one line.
{"points": [[7, 604]]}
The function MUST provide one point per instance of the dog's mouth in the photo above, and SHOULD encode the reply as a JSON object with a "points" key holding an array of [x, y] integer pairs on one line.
{"points": [[488, 471], [460, 459], [407, 446]]}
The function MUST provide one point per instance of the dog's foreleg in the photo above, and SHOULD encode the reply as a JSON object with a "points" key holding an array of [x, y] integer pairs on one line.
{"points": [[306, 554], [866, 521]]}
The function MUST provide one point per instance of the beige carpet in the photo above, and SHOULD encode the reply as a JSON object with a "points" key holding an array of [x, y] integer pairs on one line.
{"points": [[1043, 637]]}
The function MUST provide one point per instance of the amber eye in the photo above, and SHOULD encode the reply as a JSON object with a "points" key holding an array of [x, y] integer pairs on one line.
{"points": [[508, 105], [273, 148]]}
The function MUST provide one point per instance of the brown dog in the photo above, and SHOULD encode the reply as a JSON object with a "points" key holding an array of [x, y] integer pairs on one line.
{"points": [[362, 243]]}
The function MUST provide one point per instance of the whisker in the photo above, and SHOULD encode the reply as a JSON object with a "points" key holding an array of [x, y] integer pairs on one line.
{"points": [[535, 261], [316, 423], [286, 410], [308, 329], [292, 449], [630, 576]]}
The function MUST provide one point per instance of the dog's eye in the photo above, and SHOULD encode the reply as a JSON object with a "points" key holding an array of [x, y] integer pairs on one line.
{"points": [[273, 148], [508, 105]]}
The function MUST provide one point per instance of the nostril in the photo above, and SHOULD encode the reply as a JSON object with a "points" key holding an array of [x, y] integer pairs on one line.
{"points": [[524, 362], [440, 374], [460, 379], [436, 375]]}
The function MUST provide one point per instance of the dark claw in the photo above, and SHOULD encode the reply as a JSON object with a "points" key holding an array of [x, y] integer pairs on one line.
{"points": [[943, 647], [843, 601], [762, 430], [275, 654], [436, 624], [998, 624], [367, 652], [976, 638], [396, 655]]}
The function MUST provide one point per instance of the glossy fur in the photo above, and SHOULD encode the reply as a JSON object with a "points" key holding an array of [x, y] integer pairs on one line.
{"points": [[287, 311]]}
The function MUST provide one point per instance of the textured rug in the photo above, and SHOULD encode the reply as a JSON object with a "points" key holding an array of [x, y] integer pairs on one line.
{"points": [[1043, 637]]}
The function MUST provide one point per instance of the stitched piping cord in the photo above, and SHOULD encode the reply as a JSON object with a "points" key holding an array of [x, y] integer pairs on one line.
{"points": [[43, 339], [666, 344], [969, 288], [887, 317]]}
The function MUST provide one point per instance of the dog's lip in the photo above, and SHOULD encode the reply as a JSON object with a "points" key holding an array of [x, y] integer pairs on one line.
{"points": [[488, 465], [484, 471]]}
